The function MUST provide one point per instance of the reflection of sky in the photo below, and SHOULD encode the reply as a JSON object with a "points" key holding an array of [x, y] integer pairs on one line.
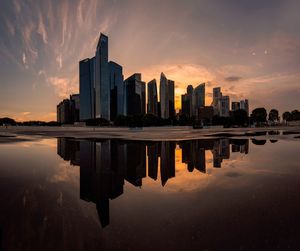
{"points": [[40, 191], [250, 48]]}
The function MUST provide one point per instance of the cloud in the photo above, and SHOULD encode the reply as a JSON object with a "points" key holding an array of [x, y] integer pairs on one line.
{"points": [[24, 60], [17, 6], [232, 78], [26, 113], [59, 60], [41, 29], [27, 34], [63, 87], [10, 27], [182, 74]]}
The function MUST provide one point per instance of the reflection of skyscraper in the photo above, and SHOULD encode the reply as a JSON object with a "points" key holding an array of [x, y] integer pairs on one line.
{"points": [[193, 154], [99, 182], [102, 88], [153, 153], [152, 98], [136, 163], [167, 161], [221, 150], [200, 160], [69, 150], [240, 145], [105, 164]]}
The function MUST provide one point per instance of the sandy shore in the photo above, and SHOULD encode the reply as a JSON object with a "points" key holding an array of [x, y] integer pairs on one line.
{"points": [[146, 133]]}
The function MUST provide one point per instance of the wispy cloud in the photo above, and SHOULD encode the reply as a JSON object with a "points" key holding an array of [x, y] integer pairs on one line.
{"points": [[233, 78], [63, 86], [42, 29]]}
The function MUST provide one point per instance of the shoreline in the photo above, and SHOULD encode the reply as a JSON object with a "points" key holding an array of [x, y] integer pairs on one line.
{"points": [[167, 133]]}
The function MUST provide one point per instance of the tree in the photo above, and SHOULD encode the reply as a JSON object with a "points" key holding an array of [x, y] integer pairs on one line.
{"points": [[274, 115], [259, 115], [295, 115], [240, 117], [286, 116], [183, 120], [7, 121]]}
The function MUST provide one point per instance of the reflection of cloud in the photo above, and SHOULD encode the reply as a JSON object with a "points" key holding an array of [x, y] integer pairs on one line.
{"points": [[65, 173]]}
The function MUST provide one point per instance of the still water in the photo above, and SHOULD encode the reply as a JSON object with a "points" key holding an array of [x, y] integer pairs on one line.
{"points": [[214, 194]]}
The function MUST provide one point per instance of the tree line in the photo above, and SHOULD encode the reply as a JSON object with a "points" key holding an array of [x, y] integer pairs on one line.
{"points": [[258, 117]]}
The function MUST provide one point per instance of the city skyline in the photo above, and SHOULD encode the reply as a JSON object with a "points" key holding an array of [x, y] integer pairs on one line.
{"points": [[255, 58]]}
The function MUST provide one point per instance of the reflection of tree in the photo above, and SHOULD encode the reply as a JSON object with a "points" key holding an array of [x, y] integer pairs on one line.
{"points": [[259, 141], [104, 165]]}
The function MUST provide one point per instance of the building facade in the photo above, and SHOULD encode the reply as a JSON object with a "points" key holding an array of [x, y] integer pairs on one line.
{"points": [[135, 95], [164, 96], [87, 89], [235, 106], [116, 90], [171, 94], [198, 98], [223, 106], [102, 86], [152, 106]]}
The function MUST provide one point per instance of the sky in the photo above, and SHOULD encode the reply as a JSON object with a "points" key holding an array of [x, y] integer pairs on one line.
{"points": [[250, 48]]}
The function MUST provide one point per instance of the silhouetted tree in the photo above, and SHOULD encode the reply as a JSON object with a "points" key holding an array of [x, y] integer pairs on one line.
{"points": [[286, 116], [240, 117], [7, 121], [150, 120], [183, 120], [121, 120], [259, 115], [295, 115], [274, 115]]}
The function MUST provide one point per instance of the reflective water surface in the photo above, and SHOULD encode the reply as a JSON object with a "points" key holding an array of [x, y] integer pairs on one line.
{"points": [[214, 194]]}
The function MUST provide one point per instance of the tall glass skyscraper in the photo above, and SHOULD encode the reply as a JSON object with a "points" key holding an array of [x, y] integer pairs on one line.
{"points": [[102, 86], [198, 98], [171, 92], [135, 95], [116, 90], [164, 96], [152, 98], [86, 89]]}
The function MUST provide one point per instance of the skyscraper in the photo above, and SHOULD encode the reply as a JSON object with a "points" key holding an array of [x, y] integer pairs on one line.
{"points": [[87, 89], [102, 86], [135, 95], [198, 98], [244, 105], [171, 92], [164, 96], [116, 89], [152, 98], [223, 106], [75, 107], [187, 102], [235, 106], [217, 94]]}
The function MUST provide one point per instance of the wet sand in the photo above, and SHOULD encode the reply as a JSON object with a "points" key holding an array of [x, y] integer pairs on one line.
{"points": [[17, 133]]}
